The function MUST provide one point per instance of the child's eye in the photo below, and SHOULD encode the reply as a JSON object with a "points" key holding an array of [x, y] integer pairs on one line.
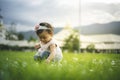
{"points": [[43, 37]]}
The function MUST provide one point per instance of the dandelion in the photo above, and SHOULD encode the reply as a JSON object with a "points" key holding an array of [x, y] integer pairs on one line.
{"points": [[15, 62], [75, 59], [113, 62], [7, 58], [100, 61], [2, 72], [94, 61], [91, 70], [110, 69], [24, 64], [65, 62], [84, 72], [36, 63]]}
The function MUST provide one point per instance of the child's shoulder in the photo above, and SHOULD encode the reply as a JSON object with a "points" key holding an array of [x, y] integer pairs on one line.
{"points": [[54, 41]]}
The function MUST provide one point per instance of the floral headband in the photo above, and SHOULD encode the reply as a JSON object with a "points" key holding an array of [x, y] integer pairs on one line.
{"points": [[39, 27]]}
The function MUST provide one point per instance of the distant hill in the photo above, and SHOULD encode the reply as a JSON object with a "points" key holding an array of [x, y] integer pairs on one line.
{"points": [[108, 28], [27, 34]]}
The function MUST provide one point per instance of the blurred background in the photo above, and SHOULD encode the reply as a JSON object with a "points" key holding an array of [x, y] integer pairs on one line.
{"points": [[79, 26]]}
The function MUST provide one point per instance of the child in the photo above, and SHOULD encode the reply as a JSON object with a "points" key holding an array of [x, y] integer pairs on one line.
{"points": [[47, 47]]}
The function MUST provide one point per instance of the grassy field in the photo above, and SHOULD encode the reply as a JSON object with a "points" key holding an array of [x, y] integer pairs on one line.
{"points": [[16, 65]]}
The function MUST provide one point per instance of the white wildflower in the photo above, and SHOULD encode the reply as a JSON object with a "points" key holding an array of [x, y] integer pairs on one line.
{"points": [[113, 62], [100, 61], [110, 69], [75, 59], [7, 58], [91, 70], [24, 64], [94, 61]]}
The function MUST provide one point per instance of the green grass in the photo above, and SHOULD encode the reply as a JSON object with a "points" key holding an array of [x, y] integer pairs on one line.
{"points": [[16, 65]]}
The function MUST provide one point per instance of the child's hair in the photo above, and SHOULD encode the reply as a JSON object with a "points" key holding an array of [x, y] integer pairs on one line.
{"points": [[48, 26]]}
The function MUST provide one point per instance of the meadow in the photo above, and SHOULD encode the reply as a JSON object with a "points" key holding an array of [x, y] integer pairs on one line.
{"points": [[18, 65]]}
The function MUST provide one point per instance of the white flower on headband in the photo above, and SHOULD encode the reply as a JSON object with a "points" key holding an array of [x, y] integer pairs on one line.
{"points": [[36, 27]]}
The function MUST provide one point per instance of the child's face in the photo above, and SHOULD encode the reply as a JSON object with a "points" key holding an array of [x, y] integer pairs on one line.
{"points": [[45, 37]]}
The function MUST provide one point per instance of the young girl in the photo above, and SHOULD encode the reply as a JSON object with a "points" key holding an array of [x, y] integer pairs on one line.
{"points": [[47, 47]]}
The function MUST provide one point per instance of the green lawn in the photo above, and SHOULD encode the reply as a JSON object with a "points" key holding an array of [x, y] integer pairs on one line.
{"points": [[16, 65]]}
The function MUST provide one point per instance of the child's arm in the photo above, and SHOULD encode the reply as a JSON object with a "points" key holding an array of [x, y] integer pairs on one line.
{"points": [[37, 46], [52, 53]]}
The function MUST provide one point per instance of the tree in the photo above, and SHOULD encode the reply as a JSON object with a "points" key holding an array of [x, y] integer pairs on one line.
{"points": [[12, 28], [31, 39], [11, 33], [20, 36], [72, 42], [91, 47]]}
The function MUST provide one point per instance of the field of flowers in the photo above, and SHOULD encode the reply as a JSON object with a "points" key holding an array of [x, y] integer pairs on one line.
{"points": [[16, 65]]}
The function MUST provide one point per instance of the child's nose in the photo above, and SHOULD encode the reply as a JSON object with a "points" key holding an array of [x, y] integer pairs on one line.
{"points": [[42, 39]]}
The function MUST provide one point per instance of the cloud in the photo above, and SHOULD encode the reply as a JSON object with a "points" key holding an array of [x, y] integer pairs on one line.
{"points": [[100, 13], [29, 12], [100, 1], [96, 16]]}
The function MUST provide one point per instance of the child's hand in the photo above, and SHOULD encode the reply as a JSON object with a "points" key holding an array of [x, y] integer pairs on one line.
{"points": [[47, 61], [37, 46]]}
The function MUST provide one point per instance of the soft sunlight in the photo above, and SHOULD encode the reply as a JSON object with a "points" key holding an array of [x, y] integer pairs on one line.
{"points": [[100, 1], [95, 16]]}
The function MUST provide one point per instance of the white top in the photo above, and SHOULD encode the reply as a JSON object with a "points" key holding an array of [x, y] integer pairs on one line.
{"points": [[45, 47]]}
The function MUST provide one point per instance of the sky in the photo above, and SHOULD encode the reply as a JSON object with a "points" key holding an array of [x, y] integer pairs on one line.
{"points": [[99, 11], [27, 13]]}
